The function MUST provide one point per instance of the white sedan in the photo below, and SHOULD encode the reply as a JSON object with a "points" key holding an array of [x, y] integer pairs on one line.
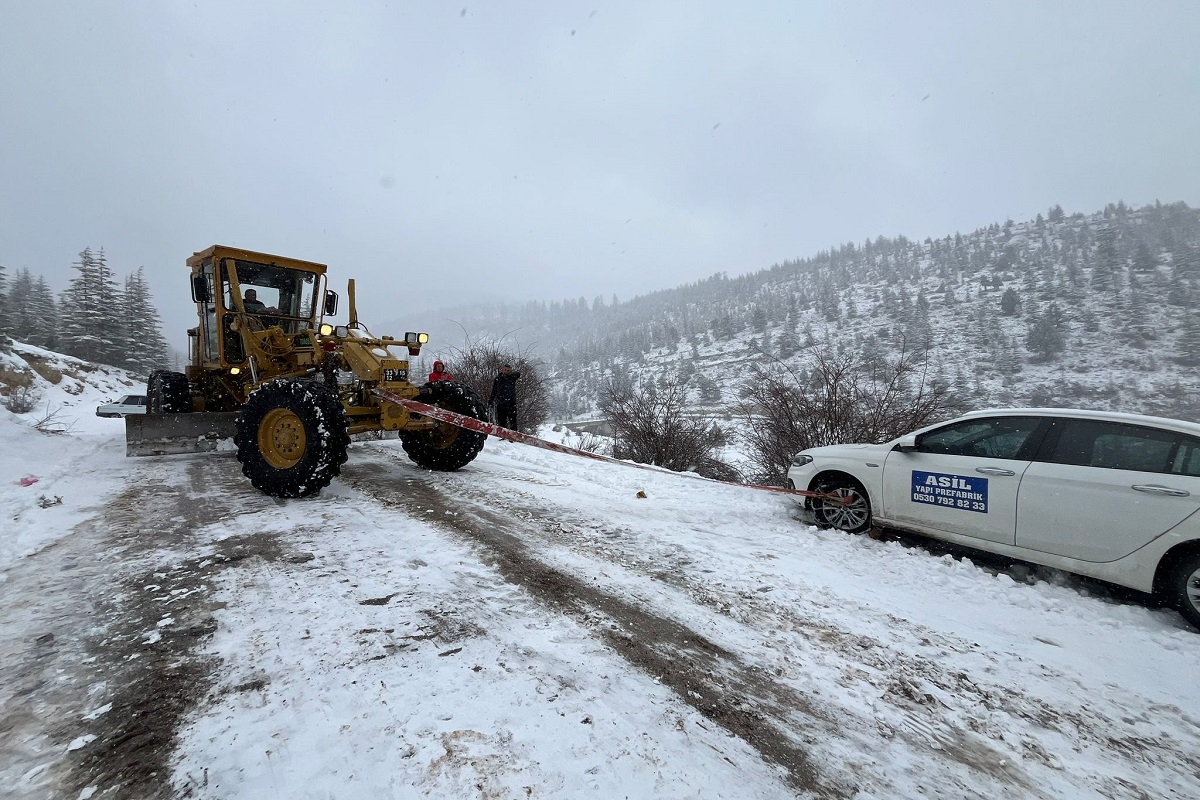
{"points": [[129, 404], [1108, 495]]}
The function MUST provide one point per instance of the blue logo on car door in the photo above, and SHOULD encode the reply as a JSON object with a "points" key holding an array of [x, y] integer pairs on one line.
{"points": [[965, 492]]}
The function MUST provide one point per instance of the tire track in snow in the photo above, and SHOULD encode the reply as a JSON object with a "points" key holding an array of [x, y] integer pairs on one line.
{"points": [[93, 697], [704, 675], [946, 720]]}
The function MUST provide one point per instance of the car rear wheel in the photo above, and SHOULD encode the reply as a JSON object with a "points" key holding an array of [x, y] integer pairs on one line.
{"points": [[1184, 588], [848, 507]]}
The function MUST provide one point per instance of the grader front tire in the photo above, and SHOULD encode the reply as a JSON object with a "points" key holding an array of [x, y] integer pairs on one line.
{"points": [[292, 438], [447, 447]]}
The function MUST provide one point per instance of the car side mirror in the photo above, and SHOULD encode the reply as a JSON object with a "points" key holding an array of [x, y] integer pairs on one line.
{"points": [[906, 444], [200, 289], [331, 299]]}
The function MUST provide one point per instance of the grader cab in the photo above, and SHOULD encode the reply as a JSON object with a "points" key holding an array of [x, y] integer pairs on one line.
{"points": [[288, 388]]}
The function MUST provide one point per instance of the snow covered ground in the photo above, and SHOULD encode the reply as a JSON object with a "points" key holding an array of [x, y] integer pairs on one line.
{"points": [[531, 627]]}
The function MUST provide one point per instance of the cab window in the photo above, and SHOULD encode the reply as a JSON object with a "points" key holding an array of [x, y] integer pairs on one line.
{"points": [[996, 437], [1114, 445]]}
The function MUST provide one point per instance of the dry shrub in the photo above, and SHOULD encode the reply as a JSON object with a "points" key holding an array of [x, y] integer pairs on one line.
{"points": [[477, 365], [843, 398], [46, 371], [652, 426], [11, 380], [21, 399]]}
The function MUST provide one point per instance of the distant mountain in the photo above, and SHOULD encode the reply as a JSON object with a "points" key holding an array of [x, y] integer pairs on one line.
{"points": [[1096, 310]]}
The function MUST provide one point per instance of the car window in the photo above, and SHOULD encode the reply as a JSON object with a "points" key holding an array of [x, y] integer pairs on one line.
{"points": [[1187, 458], [1114, 445], [996, 437]]}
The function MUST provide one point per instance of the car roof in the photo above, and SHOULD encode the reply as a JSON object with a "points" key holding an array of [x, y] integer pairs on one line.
{"points": [[1079, 413]]}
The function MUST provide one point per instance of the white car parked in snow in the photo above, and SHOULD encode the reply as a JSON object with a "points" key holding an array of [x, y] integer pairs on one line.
{"points": [[129, 404], [1108, 495]]}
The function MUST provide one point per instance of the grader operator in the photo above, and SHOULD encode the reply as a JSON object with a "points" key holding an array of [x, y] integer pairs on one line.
{"points": [[290, 389]]}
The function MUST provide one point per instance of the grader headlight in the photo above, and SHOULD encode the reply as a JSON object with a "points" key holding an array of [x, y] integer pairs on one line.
{"points": [[414, 342], [326, 329]]}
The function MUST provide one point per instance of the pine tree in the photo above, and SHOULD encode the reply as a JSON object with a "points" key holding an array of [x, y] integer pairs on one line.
{"points": [[44, 313], [1135, 320], [1010, 302], [91, 320], [21, 318], [1186, 261], [1143, 259], [3, 308], [1104, 269], [1189, 342], [787, 344], [1046, 338], [758, 319], [144, 347]]}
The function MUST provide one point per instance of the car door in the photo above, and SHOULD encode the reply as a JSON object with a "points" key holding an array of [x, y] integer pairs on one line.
{"points": [[1100, 490], [963, 477]]}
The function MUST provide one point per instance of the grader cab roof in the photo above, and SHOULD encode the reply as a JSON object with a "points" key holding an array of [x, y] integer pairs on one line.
{"points": [[219, 251]]}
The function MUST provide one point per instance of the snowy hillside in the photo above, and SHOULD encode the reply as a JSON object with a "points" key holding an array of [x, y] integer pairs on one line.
{"points": [[61, 394], [1098, 311], [538, 626]]}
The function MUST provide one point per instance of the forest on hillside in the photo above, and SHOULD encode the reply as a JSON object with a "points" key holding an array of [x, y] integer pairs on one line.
{"points": [[1095, 310], [94, 318]]}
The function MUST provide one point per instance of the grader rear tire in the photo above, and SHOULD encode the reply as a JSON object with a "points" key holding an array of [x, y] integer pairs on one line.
{"points": [[292, 438], [447, 447], [168, 393]]}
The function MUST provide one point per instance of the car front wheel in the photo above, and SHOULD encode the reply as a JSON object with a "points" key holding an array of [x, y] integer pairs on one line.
{"points": [[847, 508], [1185, 588]]}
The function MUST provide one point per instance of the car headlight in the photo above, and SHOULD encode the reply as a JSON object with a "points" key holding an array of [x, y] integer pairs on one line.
{"points": [[799, 460]]}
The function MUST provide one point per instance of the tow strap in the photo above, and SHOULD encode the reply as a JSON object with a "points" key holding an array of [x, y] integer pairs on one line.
{"points": [[478, 425]]}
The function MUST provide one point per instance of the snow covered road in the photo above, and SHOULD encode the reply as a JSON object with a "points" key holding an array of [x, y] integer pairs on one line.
{"points": [[530, 627]]}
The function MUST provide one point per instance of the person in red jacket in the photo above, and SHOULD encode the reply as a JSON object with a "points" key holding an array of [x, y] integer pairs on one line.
{"points": [[439, 372]]}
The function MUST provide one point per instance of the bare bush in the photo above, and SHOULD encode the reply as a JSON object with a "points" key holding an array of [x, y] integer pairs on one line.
{"points": [[21, 399], [843, 397], [13, 378], [588, 442], [478, 363], [52, 422], [652, 426]]}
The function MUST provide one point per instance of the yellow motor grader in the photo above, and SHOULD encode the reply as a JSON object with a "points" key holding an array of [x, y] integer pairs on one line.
{"points": [[289, 388]]}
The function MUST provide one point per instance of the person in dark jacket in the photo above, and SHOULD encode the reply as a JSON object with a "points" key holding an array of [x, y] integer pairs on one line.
{"points": [[504, 397], [252, 304], [439, 373]]}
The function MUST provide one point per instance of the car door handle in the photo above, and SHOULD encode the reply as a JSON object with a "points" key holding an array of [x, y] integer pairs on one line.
{"points": [[1150, 488], [995, 471]]}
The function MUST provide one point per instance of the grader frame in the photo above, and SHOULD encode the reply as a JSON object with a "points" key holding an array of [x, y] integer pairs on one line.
{"points": [[289, 388]]}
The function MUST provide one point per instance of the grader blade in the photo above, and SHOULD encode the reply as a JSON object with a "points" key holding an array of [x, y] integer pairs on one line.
{"points": [[172, 434]]}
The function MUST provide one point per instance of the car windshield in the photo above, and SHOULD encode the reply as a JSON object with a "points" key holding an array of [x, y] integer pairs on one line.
{"points": [[992, 438]]}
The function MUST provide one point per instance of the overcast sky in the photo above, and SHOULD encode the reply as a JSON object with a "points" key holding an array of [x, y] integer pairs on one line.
{"points": [[543, 150]]}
